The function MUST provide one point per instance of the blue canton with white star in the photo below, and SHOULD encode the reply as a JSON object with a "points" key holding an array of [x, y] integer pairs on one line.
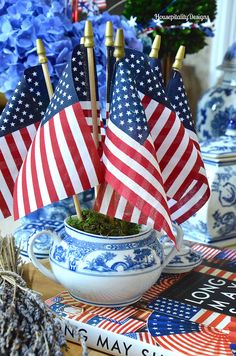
{"points": [[73, 86], [155, 64], [172, 307], [127, 112], [28, 103], [159, 325], [177, 95], [146, 79]]}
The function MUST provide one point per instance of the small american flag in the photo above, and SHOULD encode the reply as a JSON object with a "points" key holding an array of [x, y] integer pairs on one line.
{"points": [[178, 98], [62, 159], [179, 159], [129, 154], [18, 125]]}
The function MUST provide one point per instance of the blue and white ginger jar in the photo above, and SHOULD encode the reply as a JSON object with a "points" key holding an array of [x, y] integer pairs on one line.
{"points": [[218, 105], [216, 220]]}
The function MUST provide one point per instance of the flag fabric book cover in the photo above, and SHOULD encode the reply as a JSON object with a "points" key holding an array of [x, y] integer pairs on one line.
{"points": [[192, 313]]}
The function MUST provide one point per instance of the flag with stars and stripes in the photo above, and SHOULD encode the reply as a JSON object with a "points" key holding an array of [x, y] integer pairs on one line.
{"points": [[18, 125], [177, 95], [62, 160], [129, 155], [180, 163]]}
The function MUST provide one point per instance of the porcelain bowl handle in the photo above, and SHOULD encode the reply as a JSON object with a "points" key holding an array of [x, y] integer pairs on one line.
{"points": [[174, 249], [34, 259]]}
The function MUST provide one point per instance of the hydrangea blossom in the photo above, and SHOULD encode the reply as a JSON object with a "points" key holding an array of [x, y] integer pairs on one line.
{"points": [[23, 21]]}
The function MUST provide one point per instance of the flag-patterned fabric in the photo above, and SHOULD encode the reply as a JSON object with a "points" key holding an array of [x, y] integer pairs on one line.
{"points": [[155, 64], [18, 125], [178, 98], [129, 154], [179, 160], [188, 338], [109, 70], [62, 159]]}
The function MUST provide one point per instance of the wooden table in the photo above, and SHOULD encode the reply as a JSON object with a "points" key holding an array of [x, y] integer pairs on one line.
{"points": [[48, 288]]}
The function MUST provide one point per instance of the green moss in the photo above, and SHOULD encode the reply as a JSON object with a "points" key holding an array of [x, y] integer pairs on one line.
{"points": [[100, 224]]}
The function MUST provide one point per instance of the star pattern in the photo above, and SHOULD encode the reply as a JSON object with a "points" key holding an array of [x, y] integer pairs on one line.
{"points": [[159, 325], [28, 103], [172, 307], [178, 98], [73, 85]]}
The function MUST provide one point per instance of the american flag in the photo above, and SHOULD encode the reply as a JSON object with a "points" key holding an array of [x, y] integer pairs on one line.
{"points": [[177, 95], [62, 159], [155, 64], [179, 160], [129, 154], [188, 338], [18, 125]]}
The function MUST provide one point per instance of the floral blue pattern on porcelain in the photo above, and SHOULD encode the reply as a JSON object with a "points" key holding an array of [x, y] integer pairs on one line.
{"points": [[42, 244], [105, 256]]}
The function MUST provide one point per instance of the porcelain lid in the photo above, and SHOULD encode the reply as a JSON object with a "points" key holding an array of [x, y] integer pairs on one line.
{"points": [[229, 61], [222, 148]]}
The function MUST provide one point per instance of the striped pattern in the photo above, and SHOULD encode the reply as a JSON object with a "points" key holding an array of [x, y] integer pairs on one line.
{"points": [[129, 326], [207, 342], [62, 161], [206, 252], [213, 319], [14, 147], [118, 315], [142, 187], [180, 162], [231, 276], [147, 338], [161, 286]]}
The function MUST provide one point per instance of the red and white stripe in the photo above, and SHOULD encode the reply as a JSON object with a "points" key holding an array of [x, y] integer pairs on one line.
{"points": [[206, 252], [229, 254], [118, 315], [129, 326], [209, 341], [216, 272], [182, 168], [62, 161], [86, 107], [13, 150], [147, 338], [213, 319], [133, 172]]}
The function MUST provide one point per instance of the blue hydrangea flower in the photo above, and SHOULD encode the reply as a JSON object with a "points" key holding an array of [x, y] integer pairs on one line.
{"points": [[23, 21]]}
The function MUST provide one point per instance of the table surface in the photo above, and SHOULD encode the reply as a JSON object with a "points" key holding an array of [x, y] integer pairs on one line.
{"points": [[38, 282]]}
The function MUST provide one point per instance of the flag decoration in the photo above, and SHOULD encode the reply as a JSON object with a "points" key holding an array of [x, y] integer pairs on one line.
{"points": [[188, 338], [178, 98], [180, 163], [18, 124], [129, 155], [110, 70], [62, 160], [101, 4], [155, 64]]}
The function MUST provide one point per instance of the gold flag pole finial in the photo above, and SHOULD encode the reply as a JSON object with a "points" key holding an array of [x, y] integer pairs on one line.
{"points": [[88, 35], [155, 47], [119, 44], [179, 58], [109, 42], [82, 41], [41, 51]]}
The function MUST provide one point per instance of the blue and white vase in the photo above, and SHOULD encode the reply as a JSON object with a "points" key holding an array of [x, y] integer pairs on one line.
{"points": [[216, 220], [218, 105]]}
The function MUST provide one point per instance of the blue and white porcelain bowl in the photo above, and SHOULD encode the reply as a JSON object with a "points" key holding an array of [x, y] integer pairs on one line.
{"points": [[42, 245], [107, 271]]}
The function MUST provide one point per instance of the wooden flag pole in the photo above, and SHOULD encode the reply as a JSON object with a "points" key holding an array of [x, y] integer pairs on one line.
{"points": [[89, 44], [177, 65], [119, 44], [43, 61], [155, 47]]}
